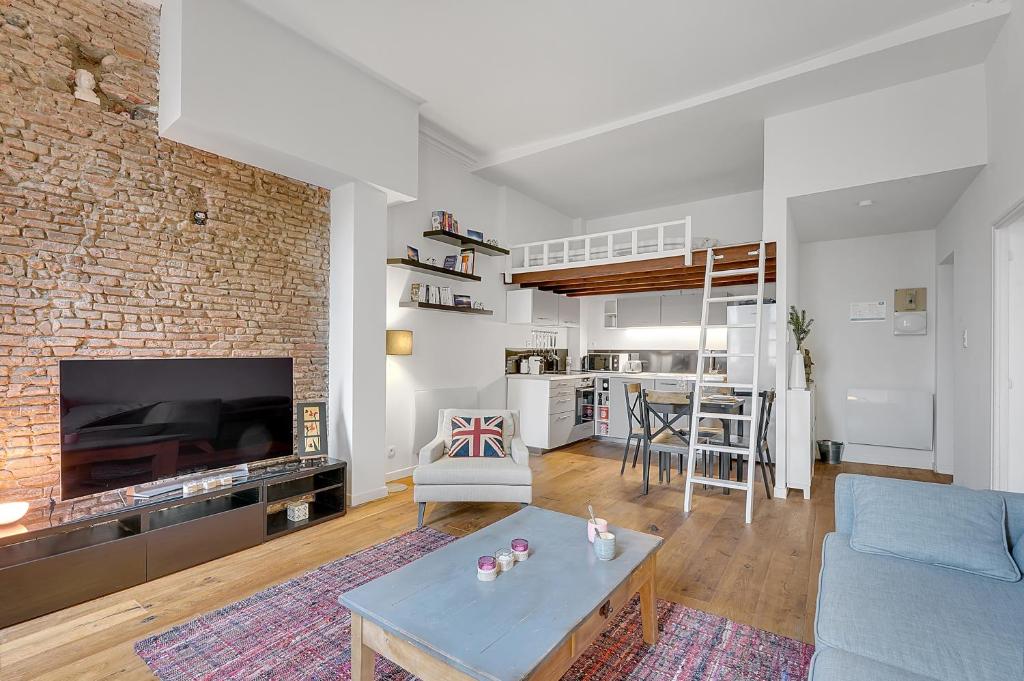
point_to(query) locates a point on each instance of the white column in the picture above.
(356, 357)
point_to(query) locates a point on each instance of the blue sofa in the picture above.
(891, 618)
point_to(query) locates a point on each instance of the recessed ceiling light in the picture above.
(864, 203)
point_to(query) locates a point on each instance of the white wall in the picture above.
(452, 350)
(926, 126)
(848, 354)
(235, 83)
(527, 220)
(966, 233)
(356, 337)
(732, 219)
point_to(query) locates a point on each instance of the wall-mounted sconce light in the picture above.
(399, 342)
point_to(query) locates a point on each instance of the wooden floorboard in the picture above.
(763, 574)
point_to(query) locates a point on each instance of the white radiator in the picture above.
(889, 418)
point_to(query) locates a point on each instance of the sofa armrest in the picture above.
(844, 502)
(432, 451)
(520, 453)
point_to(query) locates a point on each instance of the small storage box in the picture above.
(298, 510)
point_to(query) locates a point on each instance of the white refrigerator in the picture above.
(741, 369)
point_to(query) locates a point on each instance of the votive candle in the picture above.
(520, 549)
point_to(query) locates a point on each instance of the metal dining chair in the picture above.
(763, 451)
(666, 430)
(634, 421)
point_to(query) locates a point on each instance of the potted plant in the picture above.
(800, 376)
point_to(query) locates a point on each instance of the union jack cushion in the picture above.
(477, 436)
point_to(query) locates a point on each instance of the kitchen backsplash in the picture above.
(664, 361)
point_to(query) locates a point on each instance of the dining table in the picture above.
(677, 404)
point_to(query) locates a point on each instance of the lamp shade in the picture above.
(399, 342)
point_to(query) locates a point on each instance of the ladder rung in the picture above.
(731, 417)
(728, 354)
(731, 299)
(735, 272)
(717, 482)
(719, 384)
(724, 449)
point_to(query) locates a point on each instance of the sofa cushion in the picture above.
(831, 664)
(473, 471)
(941, 525)
(477, 437)
(509, 426)
(931, 621)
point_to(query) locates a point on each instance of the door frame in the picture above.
(1000, 345)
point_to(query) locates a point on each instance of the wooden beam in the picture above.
(682, 279)
(643, 275)
(731, 254)
(575, 293)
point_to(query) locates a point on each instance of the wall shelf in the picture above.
(444, 308)
(464, 241)
(416, 266)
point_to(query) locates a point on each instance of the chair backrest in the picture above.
(634, 405)
(509, 425)
(654, 421)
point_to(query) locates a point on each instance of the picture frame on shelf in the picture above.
(412, 253)
(463, 301)
(450, 261)
(475, 234)
(467, 261)
(414, 292)
(311, 430)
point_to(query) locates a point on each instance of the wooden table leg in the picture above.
(362, 656)
(649, 607)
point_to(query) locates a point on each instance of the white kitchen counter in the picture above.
(607, 374)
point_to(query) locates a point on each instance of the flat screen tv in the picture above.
(131, 421)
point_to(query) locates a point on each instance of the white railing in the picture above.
(660, 240)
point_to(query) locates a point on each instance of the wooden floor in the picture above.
(764, 574)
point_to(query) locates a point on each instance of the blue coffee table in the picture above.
(435, 619)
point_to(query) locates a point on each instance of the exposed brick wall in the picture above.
(98, 253)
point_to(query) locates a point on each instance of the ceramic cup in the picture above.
(604, 545)
(592, 529)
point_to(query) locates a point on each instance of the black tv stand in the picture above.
(56, 567)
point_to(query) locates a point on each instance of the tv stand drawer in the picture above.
(180, 546)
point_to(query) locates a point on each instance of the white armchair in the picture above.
(439, 477)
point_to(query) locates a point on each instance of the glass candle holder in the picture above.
(505, 559)
(520, 549)
(486, 568)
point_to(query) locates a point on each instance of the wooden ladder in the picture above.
(703, 355)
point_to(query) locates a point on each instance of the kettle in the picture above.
(536, 364)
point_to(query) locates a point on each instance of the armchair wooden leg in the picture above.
(423, 510)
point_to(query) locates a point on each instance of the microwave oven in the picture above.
(602, 361)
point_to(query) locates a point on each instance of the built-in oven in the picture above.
(602, 361)
(584, 401)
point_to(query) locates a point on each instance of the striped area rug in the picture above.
(296, 630)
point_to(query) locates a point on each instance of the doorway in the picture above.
(945, 362)
(1008, 365)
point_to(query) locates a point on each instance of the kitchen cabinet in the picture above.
(618, 421)
(531, 306)
(568, 311)
(638, 311)
(547, 411)
(684, 309)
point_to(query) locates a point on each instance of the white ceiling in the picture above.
(905, 205)
(599, 107)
